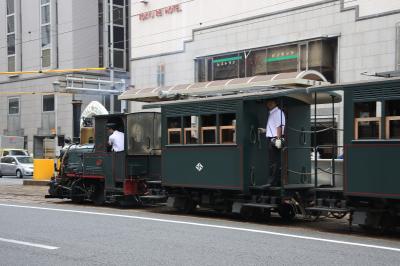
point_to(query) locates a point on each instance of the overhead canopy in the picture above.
(275, 82)
(301, 94)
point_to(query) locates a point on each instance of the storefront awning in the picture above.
(280, 81)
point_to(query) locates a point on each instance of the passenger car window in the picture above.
(6, 160)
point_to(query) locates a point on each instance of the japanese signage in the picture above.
(169, 10)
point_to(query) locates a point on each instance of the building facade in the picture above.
(46, 47)
(178, 42)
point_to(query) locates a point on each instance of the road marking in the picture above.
(27, 244)
(210, 226)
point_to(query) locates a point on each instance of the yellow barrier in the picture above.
(43, 169)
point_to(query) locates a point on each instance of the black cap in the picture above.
(111, 125)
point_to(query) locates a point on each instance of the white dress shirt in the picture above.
(276, 119)
(116, 140)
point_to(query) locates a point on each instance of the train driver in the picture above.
(116, 138)
(274, 131)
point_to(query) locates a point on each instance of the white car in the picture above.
(19, 166)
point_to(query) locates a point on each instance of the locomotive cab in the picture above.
(124, 176)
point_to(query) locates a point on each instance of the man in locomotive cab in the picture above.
(274, 131)
(116, 138)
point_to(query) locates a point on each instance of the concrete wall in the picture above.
(75, 44)
(366, 39)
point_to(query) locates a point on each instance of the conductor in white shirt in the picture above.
(116, 138)
(274, 131)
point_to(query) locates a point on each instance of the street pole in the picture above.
(112, 53)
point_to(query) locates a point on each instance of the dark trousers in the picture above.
(274, 164)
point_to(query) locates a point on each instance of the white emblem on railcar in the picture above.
(199, 167)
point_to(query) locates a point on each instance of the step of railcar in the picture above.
(260, 205)
(327, 209)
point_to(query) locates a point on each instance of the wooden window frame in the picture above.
(387, 124)
(185, 130)
(221, 128)
(208, 129)
(170, 130)
(367, 119)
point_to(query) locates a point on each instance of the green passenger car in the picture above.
(214, 156)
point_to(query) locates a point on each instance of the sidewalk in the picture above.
(12, 189)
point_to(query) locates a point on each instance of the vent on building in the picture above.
(46, 57)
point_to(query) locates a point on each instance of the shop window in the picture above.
(191, 130)
(282, 59)
(322, 57)
(393, 119)
(256, 64)
(200, 70)
(208, 129)
(228, 66)
(174, 130)
(303, 56)
(227, 128)
(367, 120)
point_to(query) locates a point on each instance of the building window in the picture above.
(13, 106)
(161, 75)
(318, 54)
(10, 18)
(45, 32)
(101, 35)
(120, 43)
(48, 103)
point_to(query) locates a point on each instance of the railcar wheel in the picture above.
(188, 206)
(255, 214)
(286, 212)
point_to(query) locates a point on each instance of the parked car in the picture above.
(16, 165)
(13, 152)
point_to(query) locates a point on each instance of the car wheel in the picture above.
(19, 174)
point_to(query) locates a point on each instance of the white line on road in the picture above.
(210, 226)
(27, 244)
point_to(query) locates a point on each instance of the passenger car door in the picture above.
(5, 166)
(13, 166)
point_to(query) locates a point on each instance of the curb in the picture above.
(36, 182)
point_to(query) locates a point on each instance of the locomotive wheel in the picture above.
(77, 192)
(286, 212)
(97, 195)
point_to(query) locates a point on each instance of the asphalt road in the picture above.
(64, 234)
